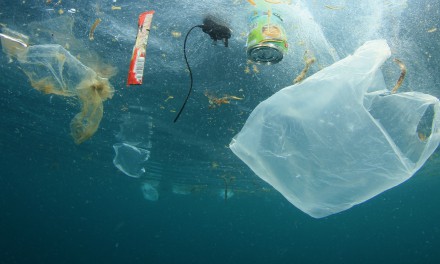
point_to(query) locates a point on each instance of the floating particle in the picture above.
(255, 68)
(216, 101)
(432, 30)
(176, 34)
(72, 11)
(334, 7)
(247, 70)
(302, 75)
(169, 97)
(61, 11)
(402, 75)
(92, 29)
(116, 7)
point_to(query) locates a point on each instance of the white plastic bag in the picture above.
(339, 138)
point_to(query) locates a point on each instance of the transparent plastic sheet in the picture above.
(52, 69)
(149, 190)
(339, 138)
(132, 151)
(130, 159)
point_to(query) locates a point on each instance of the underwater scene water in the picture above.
(96, 171)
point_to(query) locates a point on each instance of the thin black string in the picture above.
(190, 72)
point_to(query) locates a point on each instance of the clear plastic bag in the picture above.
(52, 69)
(340, 138)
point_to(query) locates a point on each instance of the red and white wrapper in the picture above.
(136, 71)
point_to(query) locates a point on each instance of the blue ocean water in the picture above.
(67, 203)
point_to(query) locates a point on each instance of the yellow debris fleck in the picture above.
(235, 97)
(61, 11)
(169, 97)
(334, 7)
(116, 7)
(432, 30)
(92, 29)
(255, 68)
(247, 70)
(176, 34)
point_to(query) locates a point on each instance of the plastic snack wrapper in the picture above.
(136, 71)
(340, 137)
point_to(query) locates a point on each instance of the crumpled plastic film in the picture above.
(53, 70)
(340, 137)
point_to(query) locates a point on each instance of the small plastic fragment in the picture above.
(92, 29)
(402, 75)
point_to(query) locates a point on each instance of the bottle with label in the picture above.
(267, 40)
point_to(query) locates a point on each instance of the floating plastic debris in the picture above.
(136, 71)
(130, 159)
(149, 191)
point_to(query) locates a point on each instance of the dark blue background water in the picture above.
(69, 213)
(62, 203)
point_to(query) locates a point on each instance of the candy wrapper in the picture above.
(136, 71)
